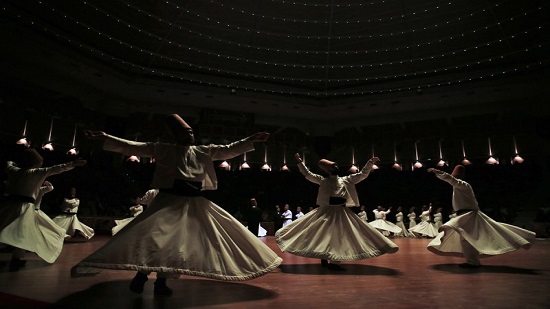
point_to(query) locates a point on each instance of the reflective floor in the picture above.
(411, 278)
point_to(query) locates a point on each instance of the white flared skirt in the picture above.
(185, 235)
(119, 224)
(287, 222)
(32, 230)
(404, 231)
(333, 233)
(486, 235)
(72, 225)
(384, 225)
(424, 228)
(261, 231)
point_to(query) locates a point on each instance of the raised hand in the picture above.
(79, 162)
(298, 158)
(374, 159)
(259, 137)
(95, 134)
(435, 171)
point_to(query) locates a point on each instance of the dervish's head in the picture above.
(328, 166)
(458, 172)
(72, 192)
(182, 132)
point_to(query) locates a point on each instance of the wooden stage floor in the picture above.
(411, 278)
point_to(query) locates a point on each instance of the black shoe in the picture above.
(336, 267)
(468, 265)
(136, 285)
(161, 289)
(17, 263)
(324, 263)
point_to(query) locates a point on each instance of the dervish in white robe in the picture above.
(472, 234)
(333, 231)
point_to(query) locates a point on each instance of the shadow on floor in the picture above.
(30, 265)
(187, 293)
(455, 269)
(351, 269)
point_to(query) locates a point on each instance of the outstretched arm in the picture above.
(91, 134)
(258, 137)
(120, 145)
(450, 179)
(58, 169)
(315, 178)
(224, 152)
(363, 173)
(435, 171)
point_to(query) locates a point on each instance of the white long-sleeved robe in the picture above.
(135, 210)
(399, 222)
(184, 234)
(333, 232)
(20, 224)
(425, 227)
(382, 225)
(485, 235)
(69, 220)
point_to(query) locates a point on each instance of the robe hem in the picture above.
(49, 258)
(332, 257)
(325, 256)
(76, 271)
(443, 229)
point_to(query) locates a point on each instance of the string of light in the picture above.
(336, 37)
(333, 5)
(295, 65)
(292, 79)
(321, 37)
(306, 21)
(236, 86)
(316, 52)
(289, 92)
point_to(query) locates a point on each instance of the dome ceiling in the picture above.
(319, 50)
(318, 66)
(407, 70)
